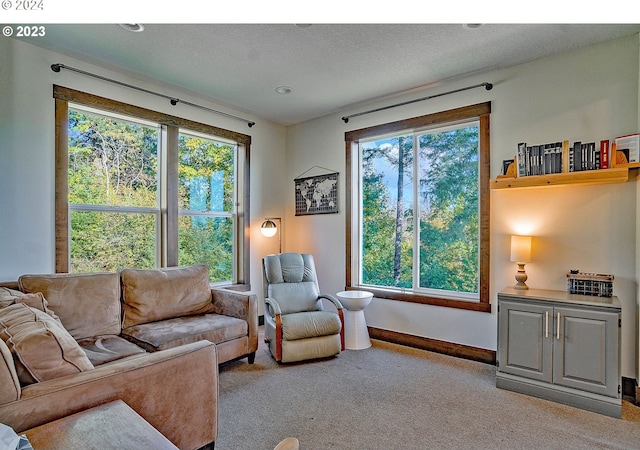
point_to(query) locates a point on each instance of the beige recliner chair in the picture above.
(296, 327)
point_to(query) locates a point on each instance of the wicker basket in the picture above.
(597, 284)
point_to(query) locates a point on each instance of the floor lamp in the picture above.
(269, 229)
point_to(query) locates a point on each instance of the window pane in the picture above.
(207, 240)
(108, 241)
(387, 214)
(112, 161)
(449, 240)
(206, 174)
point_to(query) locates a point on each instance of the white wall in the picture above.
(637, 239)
(27, 243)
(588, 95)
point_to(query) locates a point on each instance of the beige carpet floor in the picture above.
(395, 397)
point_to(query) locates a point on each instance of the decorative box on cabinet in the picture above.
(561, 347)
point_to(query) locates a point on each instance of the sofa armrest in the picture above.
(232, 303)
(242, 305)
(10, 284)
(175, 390)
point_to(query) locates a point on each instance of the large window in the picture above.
(136, 188)
(207, 203)
(114, 198)
(418, 209)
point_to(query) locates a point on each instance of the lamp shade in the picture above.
(268, 228)
(520, 249)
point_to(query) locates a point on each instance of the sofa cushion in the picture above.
(103, 349)
(88, 304)
(42, 349)
(183, 330)
(149, 295)
(10, 297)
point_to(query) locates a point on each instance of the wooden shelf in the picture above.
(583, 178)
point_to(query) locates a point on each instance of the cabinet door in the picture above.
(586, 350)
(524, 344)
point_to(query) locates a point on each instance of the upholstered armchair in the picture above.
(296, 326)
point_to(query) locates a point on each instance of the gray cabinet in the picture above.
(560, 346)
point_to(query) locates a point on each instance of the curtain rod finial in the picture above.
(488, 86)
(56, 67)
(346, 119)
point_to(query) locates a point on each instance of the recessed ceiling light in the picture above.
(284, 90)
(472, 26)
(133, 27)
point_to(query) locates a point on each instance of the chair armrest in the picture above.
(333, 299)
(175, 390)
(272, 306)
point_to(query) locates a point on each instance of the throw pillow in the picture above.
(9, 382)
(149, 295)
(41, 348)
(10, 297)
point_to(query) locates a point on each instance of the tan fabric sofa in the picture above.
(152, 338)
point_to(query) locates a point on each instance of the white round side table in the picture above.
(356, 335)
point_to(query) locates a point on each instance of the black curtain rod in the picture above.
(174, 101)
(488, 87)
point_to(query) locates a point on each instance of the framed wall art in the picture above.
(317, 194)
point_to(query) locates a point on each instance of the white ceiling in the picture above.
(328, 67)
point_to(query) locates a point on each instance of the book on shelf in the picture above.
(630, 143)
(564, 157)
(604, 153)
(540, 159)
(584, 156)
(521, 161)
(552, 159)
(576, 160)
